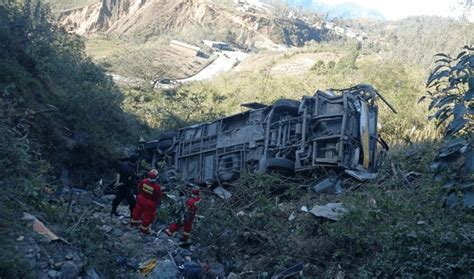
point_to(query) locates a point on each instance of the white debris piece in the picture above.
(292, 216)
(331, 211)
(222, 193)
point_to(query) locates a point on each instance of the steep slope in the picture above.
(190, 19)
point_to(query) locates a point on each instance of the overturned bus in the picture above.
(331, 129)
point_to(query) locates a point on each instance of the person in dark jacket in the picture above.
(125, 181)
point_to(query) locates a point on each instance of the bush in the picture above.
(398, 230)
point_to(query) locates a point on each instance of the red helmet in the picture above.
(195, 191)
(153, 174)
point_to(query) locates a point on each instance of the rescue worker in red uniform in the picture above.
(191, 205)
(148, 199)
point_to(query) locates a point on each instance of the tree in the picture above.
(143, 67)
(451, 90)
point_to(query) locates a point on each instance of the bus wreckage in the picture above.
(334, 129)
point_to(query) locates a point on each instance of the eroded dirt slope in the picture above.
(191, 19)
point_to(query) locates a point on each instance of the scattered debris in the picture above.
(222, 193)
(361, 176)
(69, 270)
(20, 238)
(147, 267)
(40, 228)
(292, 216)
(304, 208)
(329, 185)
(465, 194)
(331, 211)
(294, 270)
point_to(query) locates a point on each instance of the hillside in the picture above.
(191, 20)
(65, 125)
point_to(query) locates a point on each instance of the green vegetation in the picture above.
(57, 110)
(451, 89)
(401, 84)
(416, 40)
(395, 227)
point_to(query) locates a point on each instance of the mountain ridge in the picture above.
(192, 19)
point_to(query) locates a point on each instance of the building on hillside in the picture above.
(186, 49)
(217, 45)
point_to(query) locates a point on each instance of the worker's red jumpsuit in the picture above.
(148, 198)
(191, 208)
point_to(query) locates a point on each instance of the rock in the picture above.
(96, 215)
(108, 197)
(57, 265)
(216, 271)
(69, 270)
(178, 259)
(184, 252)
(233, 276)
(54, 274)
(91, 274)
(165, 270)
(69, 256)
(192, 270)
(117, 232)
(20, 238)
(106, 228)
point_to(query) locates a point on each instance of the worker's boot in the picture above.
(134, 223)
(185, 242)
(145, 230)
